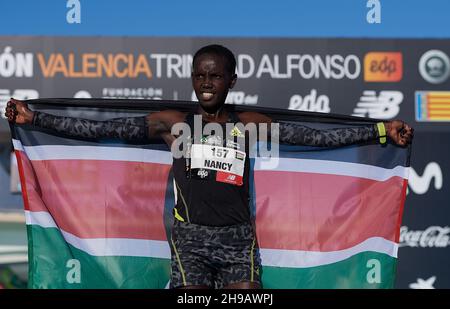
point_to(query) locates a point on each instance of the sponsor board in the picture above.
(431, 237)
(385, 105)
(17, 64)
(310, 102)
(421, 184)
(432, 105)
(383, 67)
(434, 66)
(305, 66)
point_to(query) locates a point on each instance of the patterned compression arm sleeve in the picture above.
(130, 129)
(297, 134)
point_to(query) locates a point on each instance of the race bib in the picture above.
(228, 163)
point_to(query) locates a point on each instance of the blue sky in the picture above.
(231, 18)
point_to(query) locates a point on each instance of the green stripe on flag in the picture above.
(364, 270)
(57, 264)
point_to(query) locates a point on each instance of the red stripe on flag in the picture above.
(101, 199)
(318, 212)
(400, 213)
(21, 166)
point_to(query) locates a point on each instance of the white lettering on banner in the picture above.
(433, 236)
(307, 66)
(178, 66)
(20, 94)
(239, 98)
(17, 64)
(244, 60)
(134, 93)
(421, 184)
(265, 66)
(217, 158)
(311, 102)
(383, 106)
(126, 93)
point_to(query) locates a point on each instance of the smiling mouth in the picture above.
(207, 95)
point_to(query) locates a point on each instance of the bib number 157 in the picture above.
(219, 152)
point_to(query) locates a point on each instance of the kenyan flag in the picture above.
(98, 213)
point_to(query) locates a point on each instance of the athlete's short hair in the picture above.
(219, 50)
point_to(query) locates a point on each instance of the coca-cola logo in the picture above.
(433, 236)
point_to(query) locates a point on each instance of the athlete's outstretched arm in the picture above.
(130, 128)
(398, 131)
(297, 134)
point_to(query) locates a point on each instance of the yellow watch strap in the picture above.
(381, 132)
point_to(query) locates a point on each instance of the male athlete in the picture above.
(213, 241)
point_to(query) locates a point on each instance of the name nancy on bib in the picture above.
(228, 162)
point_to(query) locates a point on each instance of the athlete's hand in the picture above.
(399, 131)
(18, 112)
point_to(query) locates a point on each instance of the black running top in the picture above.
(209, 189)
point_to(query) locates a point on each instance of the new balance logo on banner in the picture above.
(383, 106)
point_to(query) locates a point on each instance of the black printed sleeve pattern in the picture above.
(292, 133)
(130, 129)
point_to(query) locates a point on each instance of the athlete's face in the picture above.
(211, 81)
